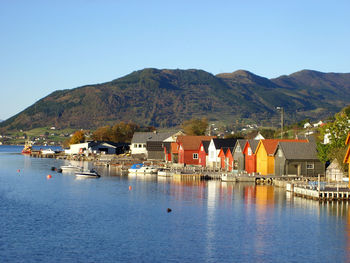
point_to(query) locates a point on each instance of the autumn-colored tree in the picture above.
(123, 132)
(195, 126)
(104, 133)
(120, 132)
(78, 137)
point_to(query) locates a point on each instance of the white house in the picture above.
(214, 148)
(87, 148)
(307, 125)
(318, 124)
(259, 137)
(334, 173)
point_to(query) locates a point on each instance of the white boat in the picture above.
(87, 174)
(142, 169)
(47, 151)
(135, 167)
(164, 173)
(71, 168)
(147, 170)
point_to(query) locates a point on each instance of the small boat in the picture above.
(164, 173)
(87, 174)
(71, 168)
(27, 149)
(47, 151)
(142, 169)
(135, 167)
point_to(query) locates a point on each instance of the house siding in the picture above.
(250, 160)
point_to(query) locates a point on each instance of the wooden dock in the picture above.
(328, 194)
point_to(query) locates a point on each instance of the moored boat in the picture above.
(47, 151)
(142, 169)
(164, 173)
(27, 149)
(87, 174)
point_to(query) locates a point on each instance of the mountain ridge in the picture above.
(167, 97)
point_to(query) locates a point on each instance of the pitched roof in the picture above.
(206, 146)
(229, 151)
(192, 142)
(143, 137)
(241, 143)
(298, 150)
(271, 144)
(253, 144)
(220, 143)
(223, 152)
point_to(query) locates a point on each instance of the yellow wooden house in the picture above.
(265, 160)
(347, 155)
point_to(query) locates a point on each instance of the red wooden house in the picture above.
(222, 156)
(250, 157)
(203, 153)
(229, 159)
(189, 148)
(226, 158)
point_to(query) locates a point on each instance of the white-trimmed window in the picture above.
(135, 145)
(249, 151)
(310, 166)
(280, 154)
(195, 156)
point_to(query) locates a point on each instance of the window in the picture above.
(195, 156)
(249, 151)
(310, 166)
(135, 145)
(202, 149)
(279, 153)
(144, 145)
(140, 145)
(238, 149)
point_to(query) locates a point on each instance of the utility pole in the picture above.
(282, 119)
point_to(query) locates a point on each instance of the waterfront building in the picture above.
(188, 147)
(298, 159)
(238, 156)
(249, 155)
(203, 153)
(214, 150)
(265, 161)
(334, 172)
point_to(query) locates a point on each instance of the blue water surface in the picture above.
(65, 219)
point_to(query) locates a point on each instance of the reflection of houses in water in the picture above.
(264, 194)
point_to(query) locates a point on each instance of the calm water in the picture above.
(99, 220)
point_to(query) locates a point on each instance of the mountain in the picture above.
(168, 97)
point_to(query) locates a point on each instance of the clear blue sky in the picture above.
(52, 45)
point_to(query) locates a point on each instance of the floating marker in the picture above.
(168, 210)
(130, 187)
(49, 176)
(18, 170)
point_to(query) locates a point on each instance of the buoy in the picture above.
(18, 170)
(168, 210)
(53, 168)
(130, 187)
(49, 176)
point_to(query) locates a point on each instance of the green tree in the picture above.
(337, 132)
(195, 126)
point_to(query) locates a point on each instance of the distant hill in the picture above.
(168, 97)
